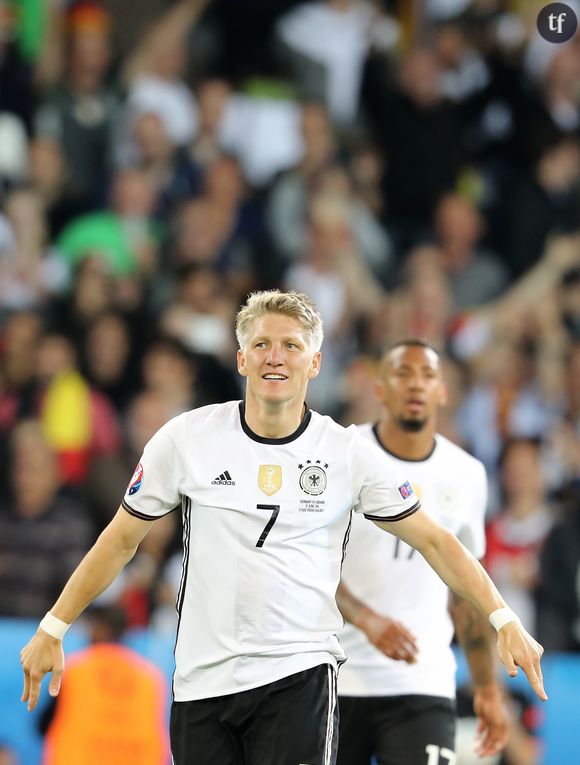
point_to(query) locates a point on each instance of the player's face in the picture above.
(411, 387)
(277, 360)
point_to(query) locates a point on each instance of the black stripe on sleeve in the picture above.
(399, 517)
(137, 514)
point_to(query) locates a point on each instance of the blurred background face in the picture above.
(93, 287)
(200, 290)
(170, 61)
(319, 144)
(419, 78)
(559, 166)
(522, 470)
(133, 194)
(26, 215)
(212, 98)
(56, 355)
(224, 182)
(90, 54)
(151, 138)
(46, 165)
(20, 342)
(203, 228)
(329, 229)
(34, 468)
(108, 347)
(165, 368)
(457, 223)
(410, 386)
(145, 416)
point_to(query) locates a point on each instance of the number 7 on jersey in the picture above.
(268, 527)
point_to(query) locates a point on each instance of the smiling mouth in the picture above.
(274, 377)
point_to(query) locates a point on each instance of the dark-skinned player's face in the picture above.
(411, 387)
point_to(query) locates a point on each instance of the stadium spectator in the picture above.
(334, 271)
(201, 313)
(154, 73)
(171, 170)
(44, 530)
(49, 175)
(78, 421)
(288, 198)
(212, 98)
(169, 371)
(516, 535)
(109, 360)
(335, 35)
(122, 719)
(557, 598)
(543, 203)
(81, 112)
(420, 134)
(32, 273)
(126, 237)
(475, 276)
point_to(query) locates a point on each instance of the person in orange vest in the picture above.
(111, 708)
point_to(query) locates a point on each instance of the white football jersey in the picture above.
(265, 523)
(396, 581)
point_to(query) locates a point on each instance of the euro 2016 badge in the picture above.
(136, 481)
(405, 490)
(269, 479)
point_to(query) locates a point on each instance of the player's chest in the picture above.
(309, 483)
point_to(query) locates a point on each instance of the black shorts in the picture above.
(293, 721)
(396, 730)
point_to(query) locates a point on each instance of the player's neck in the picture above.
(404, 445)
(277, 420)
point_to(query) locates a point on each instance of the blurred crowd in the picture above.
(413, 166)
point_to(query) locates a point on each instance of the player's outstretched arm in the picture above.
(474, 635)
(465, 576)
(113, 549)
(388, 635)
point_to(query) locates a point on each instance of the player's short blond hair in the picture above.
(296, 305)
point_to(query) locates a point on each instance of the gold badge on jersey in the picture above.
(269, 479)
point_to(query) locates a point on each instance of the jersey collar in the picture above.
(286, 440)
(396, 456)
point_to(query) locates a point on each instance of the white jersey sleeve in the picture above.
(472, 532)
(384, 493)
(154, 489)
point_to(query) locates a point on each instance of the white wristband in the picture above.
(502, 616)
(54, 627)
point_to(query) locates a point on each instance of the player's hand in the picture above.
(388, 635)
(516, 648)
(40, 655)
(492, 721)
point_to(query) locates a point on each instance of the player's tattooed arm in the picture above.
(474, 635)
(388, 635)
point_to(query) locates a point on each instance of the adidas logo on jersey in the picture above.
(224, 479)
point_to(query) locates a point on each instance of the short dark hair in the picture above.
(534, 442)
(111, 616)
(409, 342)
